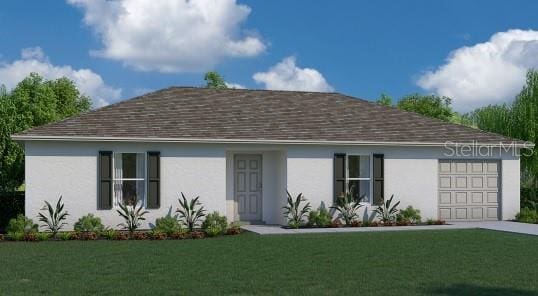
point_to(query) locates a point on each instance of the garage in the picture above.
(469, 190)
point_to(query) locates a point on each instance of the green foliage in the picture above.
(215, 224)
(64, 235)
(384, 100)
(428, 105)
(56, 215)
(132, 216)
(33, 102)
(214, 80)
(527, 215)
(409, 214)
(16, 236)
(21, 224)
(167, 224)
(518, 120)
(529, 198)
(294, 211)
(320, 217)
(89, 223)
(42, 236)
(190, 212)
(348, 207)
(387, 211)
(110, 234)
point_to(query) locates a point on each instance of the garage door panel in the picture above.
(469, 190)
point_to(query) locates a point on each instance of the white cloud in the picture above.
(234, 85)
(487, 73)
(172, 35)
(287, 76)
(34, 60)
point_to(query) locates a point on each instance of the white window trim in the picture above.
(369, 179)
(145, 179)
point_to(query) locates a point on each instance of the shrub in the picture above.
(386, 212)
(110, 234)
(409, 214)
(179, 235)
(89, 223)
(430, 221)
(42, 236)
(132, 216)
(294, 211)
(12, 206)
(65, 236)
(215, 224)
(54, 221)
(356, 223)
(435, 222)
(16, 236)
(89, 235)
(21, 224)
(190, 212)
(373, 224)
(74, 236)
(336, 223)
(121, 236)
(348, 207)
(320, 217)
(158, 234)
(233, 229)
(527, 215)
(167, 224)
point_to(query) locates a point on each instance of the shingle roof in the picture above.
(201, 113)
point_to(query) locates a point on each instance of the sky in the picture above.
(476, 52)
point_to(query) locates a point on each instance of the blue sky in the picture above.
(360, 48)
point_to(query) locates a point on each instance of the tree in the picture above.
(427, 105)
(33, 102)
(214, 80)
(384, 100)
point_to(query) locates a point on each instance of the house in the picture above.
(240, 150)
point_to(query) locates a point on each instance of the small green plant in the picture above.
(387, 211)
(214, 224)
(16, 236)
(56, 215)
(64, 235)
(294, 211)
(410, 215)
(168, 224)
(319, 217)
(21, 224)
(157, 234)
(42, 236)
(89, 223)
(527, 215)
(190, 212)
(348, 207)
(132, 216)
(110, 234)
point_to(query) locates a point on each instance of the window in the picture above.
(352, 174)
(129, 178)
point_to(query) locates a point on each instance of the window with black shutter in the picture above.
(104, 200)
(154, 174)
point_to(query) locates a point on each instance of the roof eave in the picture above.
(515, 144)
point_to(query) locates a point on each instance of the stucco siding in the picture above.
(206, 170)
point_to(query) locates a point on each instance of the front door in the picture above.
(248, 186)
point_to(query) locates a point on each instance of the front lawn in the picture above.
(447, 262)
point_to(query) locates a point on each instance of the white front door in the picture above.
(248, 186)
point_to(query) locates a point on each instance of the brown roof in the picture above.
(258, 115)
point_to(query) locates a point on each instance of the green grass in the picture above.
(448, 262)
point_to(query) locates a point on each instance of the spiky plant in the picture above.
(132, 214)
(190, 212)
(294, 211)
(386, 212)
(348, 207)
(56, 215)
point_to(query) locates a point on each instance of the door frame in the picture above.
(236, 202)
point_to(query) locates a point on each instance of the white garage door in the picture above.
(469, 190)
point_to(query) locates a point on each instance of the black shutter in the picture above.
(339, 175)
(379, 181)
(154, 174)
(104, 169)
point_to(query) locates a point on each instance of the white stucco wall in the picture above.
(70, 169)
